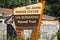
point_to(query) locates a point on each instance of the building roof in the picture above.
(6, 11)
(10, 11)
(46, 17)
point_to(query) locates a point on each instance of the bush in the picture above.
(58, 34)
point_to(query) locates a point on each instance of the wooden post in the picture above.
(35, 32)
(20, 34)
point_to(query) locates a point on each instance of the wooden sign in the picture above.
(26, 20)
(27, 16)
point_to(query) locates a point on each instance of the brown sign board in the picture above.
(26, 20)
(27, 16)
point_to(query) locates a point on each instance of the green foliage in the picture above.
(2, 3)
(58, 34)
(52, 8)
(3, 15)
(15, 3)
(46, 37)
(28, 38)
(10, 38)
(16, 38)
(52, 37)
